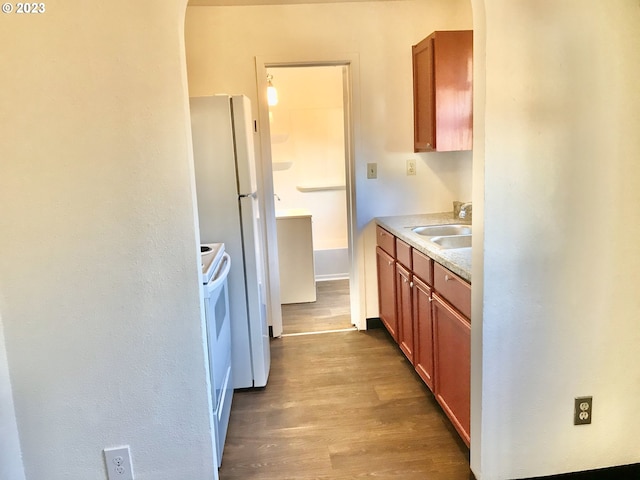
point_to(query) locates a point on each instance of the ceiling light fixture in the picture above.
(272, 93)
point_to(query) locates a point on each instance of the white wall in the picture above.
(10, 456)
(222, 43)
(99, 272)
(561, 265)
(307, 131)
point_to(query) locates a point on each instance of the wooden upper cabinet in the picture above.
(443, 92)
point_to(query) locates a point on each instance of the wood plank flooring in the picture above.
(341, 406)
(330, 311)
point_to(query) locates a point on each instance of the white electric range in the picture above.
(216, 264)
(211, 254)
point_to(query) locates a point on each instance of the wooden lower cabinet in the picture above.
(452, 364)
(426, 309)
(423, 331)
(387, 291)
(404, 311)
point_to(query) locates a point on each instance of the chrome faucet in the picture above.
(465, 208)
(462, 210)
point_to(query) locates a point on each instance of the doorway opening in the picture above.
(309, 138)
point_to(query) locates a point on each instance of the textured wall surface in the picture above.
(10, 458)
(99, 271)
(558, 173)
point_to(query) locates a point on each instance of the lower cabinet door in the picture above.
(387, 291)
(405, 314)
(452, 349)
(423, 329)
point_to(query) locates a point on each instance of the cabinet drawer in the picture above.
(386, 241)
(453, 288)
(422, 267)
(403, 253)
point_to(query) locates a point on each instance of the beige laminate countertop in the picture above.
(458, 260)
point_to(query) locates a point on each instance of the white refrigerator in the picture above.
(228, 212)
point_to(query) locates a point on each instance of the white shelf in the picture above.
(278, 166)
(319, 188)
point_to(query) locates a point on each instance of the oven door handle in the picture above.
(221, 275)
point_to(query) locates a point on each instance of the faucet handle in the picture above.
(460, 209)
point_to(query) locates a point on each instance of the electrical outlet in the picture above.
(372, 170)
(582, 410)
(118, 461)
(411, 167)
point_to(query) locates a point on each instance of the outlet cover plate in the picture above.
(411, 167)
(582, 410)
(118, 461)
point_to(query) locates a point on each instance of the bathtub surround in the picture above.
(331, 263)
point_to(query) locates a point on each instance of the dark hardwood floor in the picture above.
(341, 406)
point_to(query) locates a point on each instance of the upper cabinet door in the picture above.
(424, 138)
(443, 92)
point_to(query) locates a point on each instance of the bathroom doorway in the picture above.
(310, 164)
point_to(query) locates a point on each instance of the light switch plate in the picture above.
(372, 170)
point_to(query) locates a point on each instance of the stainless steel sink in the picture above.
(452, 241)
(443, 230)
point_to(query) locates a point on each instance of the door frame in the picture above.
(350, 89)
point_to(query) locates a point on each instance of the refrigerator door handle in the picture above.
(246, 195)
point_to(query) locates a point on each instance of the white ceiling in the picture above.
(220, 3)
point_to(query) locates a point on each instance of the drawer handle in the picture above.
(447, 278)
(411, 284)
(390, 263)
